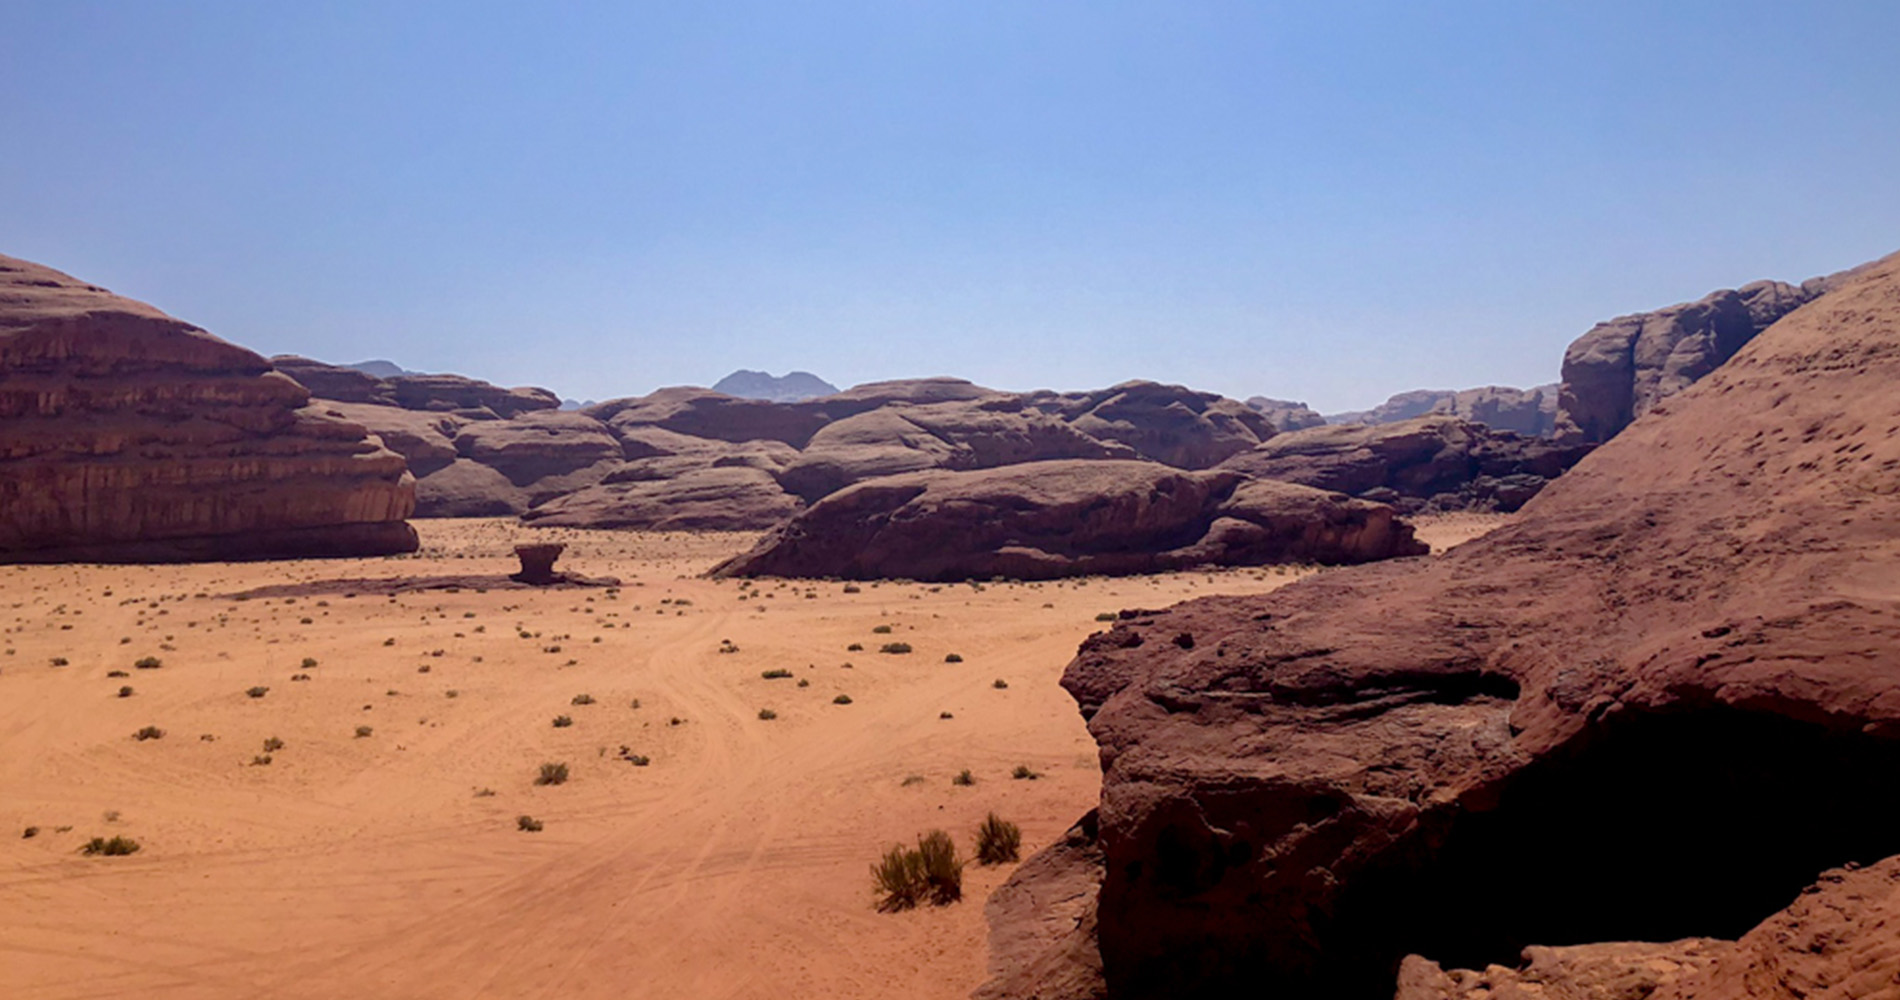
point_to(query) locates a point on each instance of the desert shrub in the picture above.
(551, 774)
(964, 777)
(882, 630)
(117, 673)
(767, 715)
(943, 870)
(527, 824)
(309, 662)
(852, 588)
(562, 721)
(843, 699)
(999, 684)
(257, 692)
(1023, 772)
(261, 760)
(363, 731)
(913, 779)
(113, 847)
(802, 682)
(856, 647)
(582, 699)
(273, 744)
(125, 691)
(898, 878)
(1106, 616)
(953, 658)
(945, 715)
(776, 674)
(998, 841)
(638, 760)
(894, 647)
(59, 661)
(149, 733)
(147, 663)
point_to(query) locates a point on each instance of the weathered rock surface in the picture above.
(1286, 415)
(972, 434)
(1039, 520)
(1431, 462)
(1833, 942)
(128, 435)
(477, 450)
(1170, 424)
(1653, 708)
(1531, 412)
(1621, 368)
(436, 393)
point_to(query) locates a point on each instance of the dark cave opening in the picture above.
(1654, 828)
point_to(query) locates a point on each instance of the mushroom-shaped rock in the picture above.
(537, 562)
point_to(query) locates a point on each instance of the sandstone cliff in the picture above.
(127, 435)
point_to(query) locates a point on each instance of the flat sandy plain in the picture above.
(390, 865)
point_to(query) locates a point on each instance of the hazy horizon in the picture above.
(1329, 204)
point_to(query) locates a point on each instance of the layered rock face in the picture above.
(1531, 412)
(702, 459)
(1286, 415)
(1654, 708)
(477, 450)
(130, 436)
(1040, 520)
(1426, 463)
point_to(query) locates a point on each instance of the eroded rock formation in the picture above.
(1039, 520)
(1432, 462)
(128, 435)
(1531, 412)
(1654, 708)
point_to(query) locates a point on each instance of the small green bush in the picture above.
(1023, 772)
(363, 731)
(149, 733)
(147, 663)
(856, 647)
(257, 692)
(999, 684)
(964, 777)
(894, 647)
(998, 841)
(125, 691)
(843, 699)
(767, 715)
(273, 744)
(551, 774)
(882, 630)
(309, 662)
(777, 673)
(953, 658)
(1107, 616)
(943, 871)
(562, 722)
(582, 699)
(527, 824)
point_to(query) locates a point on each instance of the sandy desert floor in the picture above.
(376, 854)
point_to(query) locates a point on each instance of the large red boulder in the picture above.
(1038, 520)
(1656, 707)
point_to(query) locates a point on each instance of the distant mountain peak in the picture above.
(788, 388)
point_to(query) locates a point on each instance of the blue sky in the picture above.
(1322, 201)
